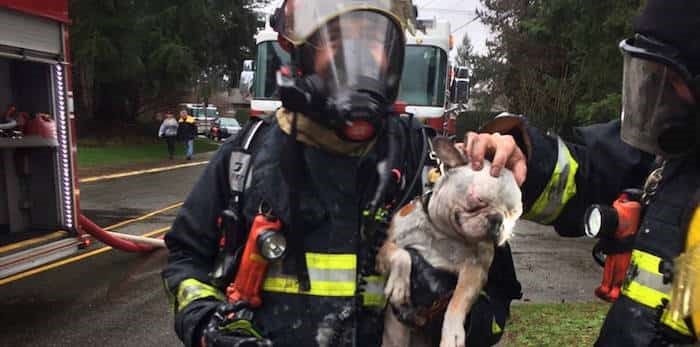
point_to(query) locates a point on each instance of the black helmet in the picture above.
(347, 59)
(661, 81)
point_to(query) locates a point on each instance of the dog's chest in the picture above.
(441, 250)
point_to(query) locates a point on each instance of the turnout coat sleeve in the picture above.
(564, 178)
(193, 244)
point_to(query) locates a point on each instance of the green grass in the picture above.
(92, 155)
(554, 324)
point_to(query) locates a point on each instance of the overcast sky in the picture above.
(460, 14)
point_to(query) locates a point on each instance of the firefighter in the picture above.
(324, 165)
(654, 147)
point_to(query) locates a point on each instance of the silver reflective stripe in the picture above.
(375, 285)
(251, 135)
(652, 280)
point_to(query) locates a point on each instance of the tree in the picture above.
(464, 52)
(557, 61)
(134, 56)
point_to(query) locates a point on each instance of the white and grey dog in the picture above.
(469, 213)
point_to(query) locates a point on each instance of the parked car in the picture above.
(223, 128)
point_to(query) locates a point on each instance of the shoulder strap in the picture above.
(240, 159)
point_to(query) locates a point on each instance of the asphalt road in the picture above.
(117, 299)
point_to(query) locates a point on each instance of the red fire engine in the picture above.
(40, 220)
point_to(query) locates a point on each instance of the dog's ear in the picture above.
(446, 151)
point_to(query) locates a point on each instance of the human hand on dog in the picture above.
(500, 149)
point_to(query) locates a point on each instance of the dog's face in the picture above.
(473, 204)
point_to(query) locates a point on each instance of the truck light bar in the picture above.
(63, 147)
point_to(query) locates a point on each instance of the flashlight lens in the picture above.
(272, 245)
(593, 223)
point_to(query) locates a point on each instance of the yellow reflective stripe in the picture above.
(677, 325)
(241, 324)
(559, 190)
(643, 294)
(329, 275)
(191, 289)
(645, 291)
(331, 261)
(645, 261)
(495, 328)
(319, 288)
(373, 294)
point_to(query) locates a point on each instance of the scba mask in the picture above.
(347, 61)
(659, 98)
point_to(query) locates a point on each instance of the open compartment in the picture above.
(33, 178)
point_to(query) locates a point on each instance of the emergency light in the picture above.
(272, 245)
(600, 221)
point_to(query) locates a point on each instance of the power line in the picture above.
(446, 10)
(427, 3)
(465, 24)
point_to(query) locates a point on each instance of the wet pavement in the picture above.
(117, 298)
(110, 299)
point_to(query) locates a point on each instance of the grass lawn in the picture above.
(554, 324)
(114, 154)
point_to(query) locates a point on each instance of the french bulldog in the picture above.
(469, 213)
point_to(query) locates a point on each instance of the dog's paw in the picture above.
(398, 286)
(453, 335)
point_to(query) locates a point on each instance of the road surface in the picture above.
(116, 299)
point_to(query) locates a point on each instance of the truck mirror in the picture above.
(459, 90)
(245, 83)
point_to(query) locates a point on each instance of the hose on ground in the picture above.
(111, 240)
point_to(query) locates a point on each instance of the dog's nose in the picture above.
(495, 223)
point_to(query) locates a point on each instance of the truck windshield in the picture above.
(424, 76)
(269, 58)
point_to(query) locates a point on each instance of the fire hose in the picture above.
(120, 241)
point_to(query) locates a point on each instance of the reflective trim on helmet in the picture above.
(191, 289)
(302, 18)
(645, 286)
(558, 191)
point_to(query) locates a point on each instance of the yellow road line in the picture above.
(140, 172)
(61, 233)
(28, 242)
(148, 215)
(69, 260)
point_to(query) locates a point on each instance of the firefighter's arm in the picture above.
(564, 178)
(193, 242)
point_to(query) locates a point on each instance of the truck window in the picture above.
(424, 76)
(269, 58)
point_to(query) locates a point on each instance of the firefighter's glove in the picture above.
(231, 326)
(431, 290)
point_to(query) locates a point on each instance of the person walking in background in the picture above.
(168, 131)
(186, 131)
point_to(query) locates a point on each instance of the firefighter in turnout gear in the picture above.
(324, 174)
(654, 147)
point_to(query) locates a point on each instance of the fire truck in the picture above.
(424, 84)
(40, 219)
